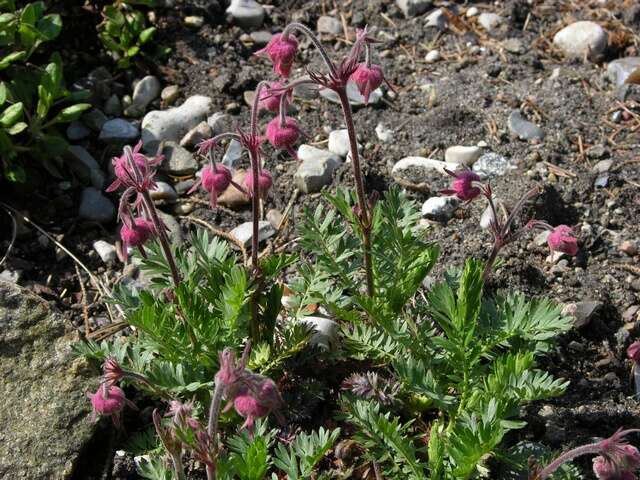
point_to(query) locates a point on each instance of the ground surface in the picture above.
(463, 99)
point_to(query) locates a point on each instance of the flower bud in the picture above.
(283, 135)
(281, 51)
(562, 239)
(367, 79)
(264, 182)
(270, 100)
(633, 352)
(215, 180)
(464, 186)
(136, 234)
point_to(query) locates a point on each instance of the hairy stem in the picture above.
(178, 468)
(316, 43)
(162, 236)
(357, 174)
(547, 471)
(212, 428)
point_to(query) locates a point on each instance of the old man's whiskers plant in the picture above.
(451, 366)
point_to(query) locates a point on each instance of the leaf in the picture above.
(71, 113)
(146, 35)
(11, 115)
(49, 26)
(304, 453)
(17, 128)
(3, 92)
(12, 57)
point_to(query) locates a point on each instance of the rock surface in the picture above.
(580, 39)
(244, 232)
(178, 161)
(439, 208)
(492, 165)
(462, 155)
(44, 412)
(411, 8)
(490, 21)
(316, 169)
(145, 92)
(246, 13)
(330, 25)
(420, 169)
(118, 131)
(524, 129)
(173, 124)
(88, 165)
(94, 206)
(619, 70)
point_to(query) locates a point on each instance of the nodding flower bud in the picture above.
(367, 79)
(136, 234)
(108, 401)
(562, 239)
(270, 100)
(633, 352)
(135, 170)
(215, 180)
(464, 186)
(620, 466)
(264, 183)
(283, 134)
(281, 50)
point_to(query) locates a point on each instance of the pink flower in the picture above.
(618, 467)
(562, 239)
(264, 183)
(108, 401)
(283, 134)
(112, 372)
(281, 51)
(270, 99)
(134, 170)
(633, 352)
(464, 186)
(136, 234)
(250, 409)
(215, 179)
(367, 79)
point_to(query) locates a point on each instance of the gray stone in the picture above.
(261, 38)
(339, 142)
(602, 181)
(173, 124)
(433, 56)
(619, 70)
(94, 119)
(246, 13)
(233, 154)
(193, 21)
(582, 312)
(580, 39)
(11, 276)
(90, 166)
(472, 12)
(306, 90)
(145, 92)
(492, 165)
(163, 191)
(178, 161)
(175, 232)
(274, 217)
(200, 132)
(411, 8)
(524, 129)
(170, 94)
(220, 122)
(77, 131)
(44, 410)
(603, 166)
(384, 134)
(113, 106)
(355, 98)
(244, 232)
(105, 251)
(513, 45)
(490, 21)
(437, 19)
(316, 169)
(118, 131)
(325, 331)
(95, 206)
(330, 25)
(462, 155)
(420, 169)
(439, 208)
(184, 186)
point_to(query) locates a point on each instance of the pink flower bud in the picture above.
(464, 186)
(606, 470)
(562, 239)
(633, 352)
(107, 400)
(133, 169)
(270, 100)
(249, 408)
(281, 51)
(264, 182)
(215, 180)
(367, 79)
(283, 135)
(136, 234)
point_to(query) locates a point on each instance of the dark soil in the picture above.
(461, 100)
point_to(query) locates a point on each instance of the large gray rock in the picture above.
(173, 124)
(619, 70)
(178, 161)
(94, 206)
(118, 131)
(580, 39)
(145, 92)
(246, 13)
(44, 411)
(316, 169)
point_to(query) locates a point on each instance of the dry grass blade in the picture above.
(14, 235)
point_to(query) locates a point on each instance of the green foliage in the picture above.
(304, 453)
(124, 30)
(33, 98)
(467, 359)
(154, 468)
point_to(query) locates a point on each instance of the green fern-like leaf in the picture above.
(303, 454)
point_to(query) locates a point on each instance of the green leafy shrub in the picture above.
(124, 31)
(33, 98)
